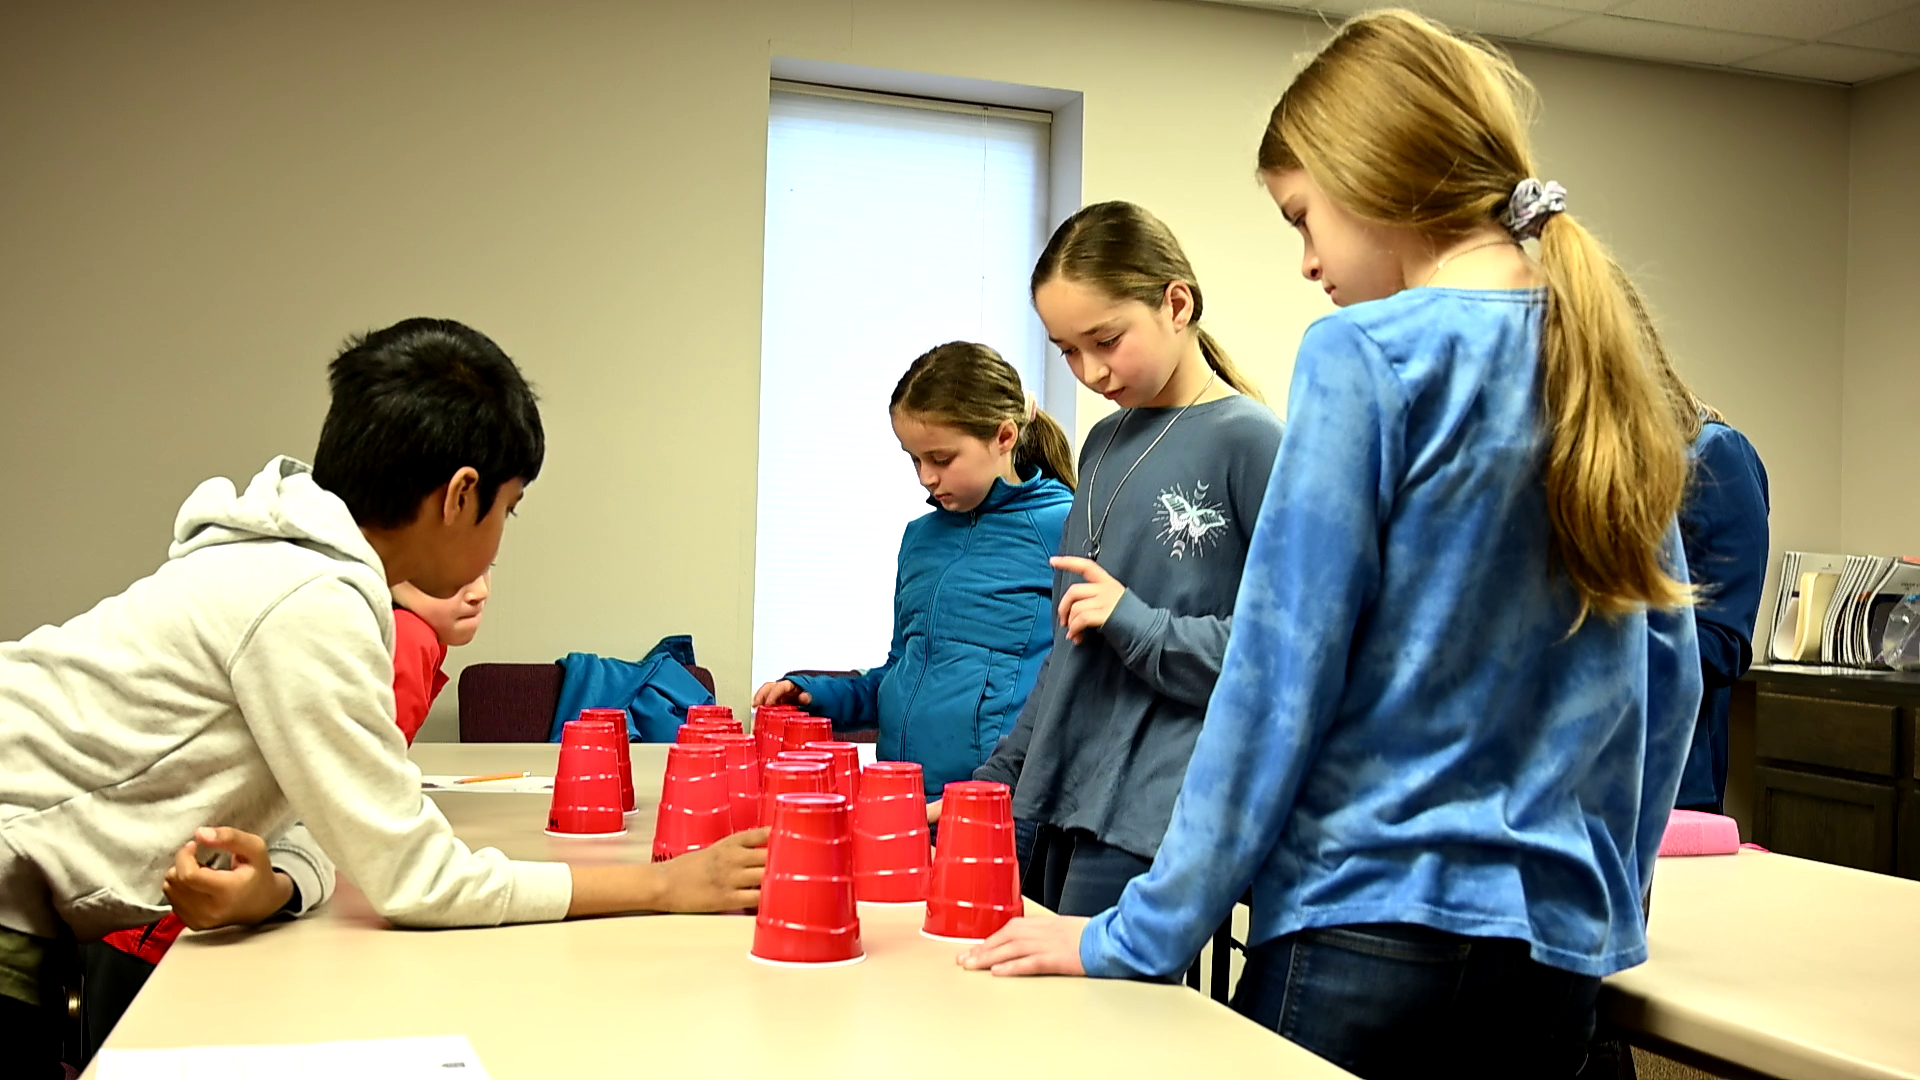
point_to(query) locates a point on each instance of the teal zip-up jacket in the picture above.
(972, 626)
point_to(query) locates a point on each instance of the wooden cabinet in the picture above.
(1845, 736)
(1907, 832)
(1836, 767)
(1825, 818)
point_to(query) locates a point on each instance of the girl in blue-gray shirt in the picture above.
(1463, 674)
(1150, 560)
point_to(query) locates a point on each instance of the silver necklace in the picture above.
(1442, 264)
(1094, 531)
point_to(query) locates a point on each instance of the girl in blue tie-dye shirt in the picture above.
(1463, 673)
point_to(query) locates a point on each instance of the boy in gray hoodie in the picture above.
(247, 683)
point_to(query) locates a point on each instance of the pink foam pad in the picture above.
(1690, 832)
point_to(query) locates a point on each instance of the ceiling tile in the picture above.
(1658, 41)
(1899, 31)
(1833, 63)
(1341, 8)
(1338, 9)
(1591, 7)
(1494, 18)
(1805, 20)
(1331, 11)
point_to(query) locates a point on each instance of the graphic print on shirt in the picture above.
(1190, 522)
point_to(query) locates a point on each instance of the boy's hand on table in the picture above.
(205, 898)
(724, 877)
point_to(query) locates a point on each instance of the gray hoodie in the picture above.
(248, 682)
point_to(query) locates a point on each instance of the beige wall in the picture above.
(1880, 443)
(200, 200)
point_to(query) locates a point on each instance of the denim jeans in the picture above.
(1023, 836)
(1393, 1001)
(1074, 874)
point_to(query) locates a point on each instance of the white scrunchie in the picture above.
(1532, 204)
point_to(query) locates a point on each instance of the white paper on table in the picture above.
(440, 1057)
(521, 786)
(869, 753)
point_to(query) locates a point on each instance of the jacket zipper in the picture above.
(933, 608)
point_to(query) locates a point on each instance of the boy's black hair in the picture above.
(414, 403)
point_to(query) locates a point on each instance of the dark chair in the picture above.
(1222, 974)
(1224, 945)
(508, 702)
(516, 702)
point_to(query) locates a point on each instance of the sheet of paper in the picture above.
(869, 753)
(520, 786)
(438, 1057)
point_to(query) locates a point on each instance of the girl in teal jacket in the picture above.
(972, 603)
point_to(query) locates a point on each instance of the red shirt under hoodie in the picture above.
(417, 678)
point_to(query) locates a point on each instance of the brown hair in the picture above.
(969, 387)
(1404, 124)
(1129, 254)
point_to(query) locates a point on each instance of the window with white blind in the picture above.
(893, 225)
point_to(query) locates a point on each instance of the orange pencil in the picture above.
(496, 776)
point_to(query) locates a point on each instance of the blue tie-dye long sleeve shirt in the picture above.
(1403, 729)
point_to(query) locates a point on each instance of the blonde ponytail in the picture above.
(1617, 458)
(1406, 125)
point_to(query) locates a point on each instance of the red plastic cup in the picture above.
(807, 913)
(695, 809)
(821, 756)
(743, 778)
(769, 725)
(699, 712)
(617, 718)
(975, 886)
(714, 723)
(693, 734)
(846, 766)
(586, 785)
(801, 730)
(779, 778)
(770, 728)
(890, 835)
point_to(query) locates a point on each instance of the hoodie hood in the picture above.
(281, 503)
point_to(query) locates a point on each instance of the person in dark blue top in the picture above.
(972, 599)
(1724, 527)
(1449, 728)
